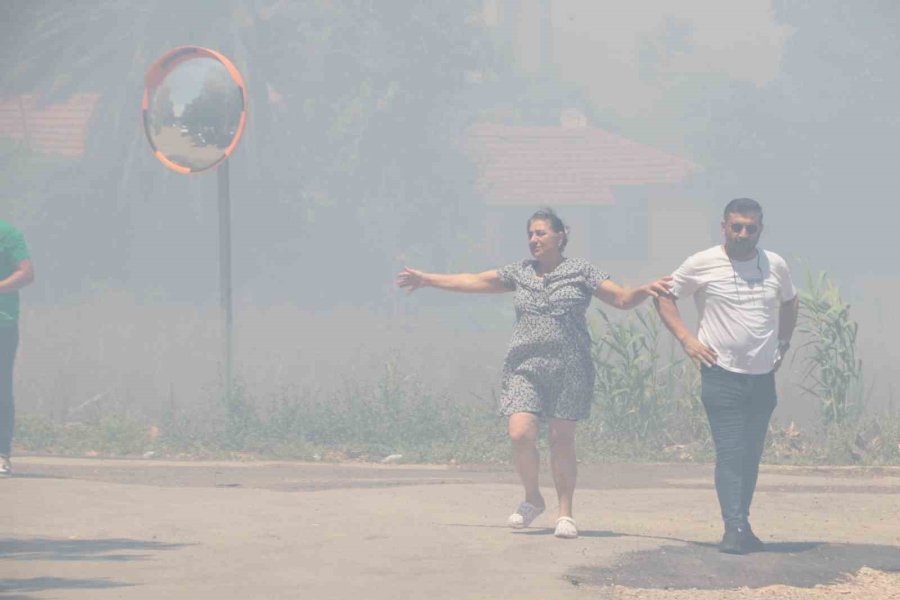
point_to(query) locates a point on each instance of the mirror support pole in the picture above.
(225, 274)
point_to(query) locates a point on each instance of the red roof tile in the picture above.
(573, 166)
(56, 128)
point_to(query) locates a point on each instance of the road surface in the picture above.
(143, 529)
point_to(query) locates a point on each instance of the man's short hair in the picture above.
(743, 206)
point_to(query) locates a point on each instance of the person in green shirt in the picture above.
(16, 271)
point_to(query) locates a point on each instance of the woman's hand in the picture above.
(627, 298)
(411, 279)
(660, 287)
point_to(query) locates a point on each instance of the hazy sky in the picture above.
(803, 120)
(621, 52)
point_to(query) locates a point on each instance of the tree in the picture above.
(349, 146)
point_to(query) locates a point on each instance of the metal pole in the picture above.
(25, 132)
(225, 273)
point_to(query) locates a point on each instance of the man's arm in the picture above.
(22, 276)
(787, 320)
(671, 318)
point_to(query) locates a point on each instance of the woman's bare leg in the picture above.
(523, 432)
(563, 462)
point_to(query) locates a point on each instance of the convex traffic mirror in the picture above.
(195, 108)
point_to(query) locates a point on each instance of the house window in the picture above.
(610, 232)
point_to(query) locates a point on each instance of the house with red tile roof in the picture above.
(626, 203)
(55, 128)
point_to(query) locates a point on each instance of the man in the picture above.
(16, 271)
(747, 309)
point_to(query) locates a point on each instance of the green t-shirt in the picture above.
(12, 251)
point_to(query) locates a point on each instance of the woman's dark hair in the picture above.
(556, 224)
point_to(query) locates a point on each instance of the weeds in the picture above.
(646, 407)
(111, 435)
(394, 416)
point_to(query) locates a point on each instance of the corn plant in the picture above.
(627, 387)
(833, 373)
(646, 398)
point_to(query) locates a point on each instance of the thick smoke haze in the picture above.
(358, 159)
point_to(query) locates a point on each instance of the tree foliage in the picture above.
(353, 111)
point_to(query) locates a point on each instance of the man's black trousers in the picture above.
(739, 407)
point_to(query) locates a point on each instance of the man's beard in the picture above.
(741, 247)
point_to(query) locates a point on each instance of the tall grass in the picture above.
(627, 361)
(114, 376)
(646, 395)
(833, 373)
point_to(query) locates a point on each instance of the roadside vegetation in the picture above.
(647, 408)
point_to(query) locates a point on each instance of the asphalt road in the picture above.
(143, 529)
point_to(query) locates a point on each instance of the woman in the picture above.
(548, 373)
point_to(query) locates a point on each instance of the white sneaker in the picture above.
(524, 515)
(5, 466)
(565, 528)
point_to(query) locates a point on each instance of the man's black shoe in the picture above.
(733, 542)
(751, 542)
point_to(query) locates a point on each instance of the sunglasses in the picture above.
(751, 229)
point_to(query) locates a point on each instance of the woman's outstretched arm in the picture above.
(621, 297)
(486, 282)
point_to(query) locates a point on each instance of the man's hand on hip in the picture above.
(699, 352)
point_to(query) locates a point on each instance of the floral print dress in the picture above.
(548, 369)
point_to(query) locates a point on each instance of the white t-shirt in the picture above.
(738, 303)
